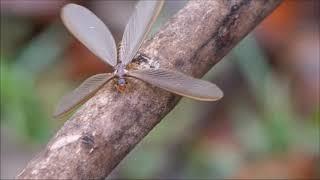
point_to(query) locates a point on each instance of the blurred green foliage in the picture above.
(20, 106)
(21, 66)
(282, 125)
(14, 31)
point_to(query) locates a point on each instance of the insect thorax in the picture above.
(121, 81)
(120, 73)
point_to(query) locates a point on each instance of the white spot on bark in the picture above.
(64, 141)
(34, 171)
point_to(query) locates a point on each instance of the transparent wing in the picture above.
(81, 94)
(91, 31)
(179, 83)
(137, 28)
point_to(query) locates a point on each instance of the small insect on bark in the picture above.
(95, 35)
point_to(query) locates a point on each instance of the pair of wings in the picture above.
(169, 80)
(95, 35)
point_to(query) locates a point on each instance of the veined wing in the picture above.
(91, 31)
(179, 83)
(137, 28)
(81, 94)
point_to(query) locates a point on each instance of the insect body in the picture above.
(92, 32)
(120, 73)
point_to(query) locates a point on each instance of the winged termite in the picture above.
(91, 31)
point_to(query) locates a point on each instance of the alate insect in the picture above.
(95, 35)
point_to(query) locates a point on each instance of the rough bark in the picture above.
(106, 128)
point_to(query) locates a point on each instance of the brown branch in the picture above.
(99, 135)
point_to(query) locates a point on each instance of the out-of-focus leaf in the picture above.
(43, 50)
(148, 158)
(13, 32)
(272, 95)
(254, 66)
(20, 108)
(218, 162)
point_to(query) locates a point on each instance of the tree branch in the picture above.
(101, 133)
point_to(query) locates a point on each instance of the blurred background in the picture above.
(266, 126)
